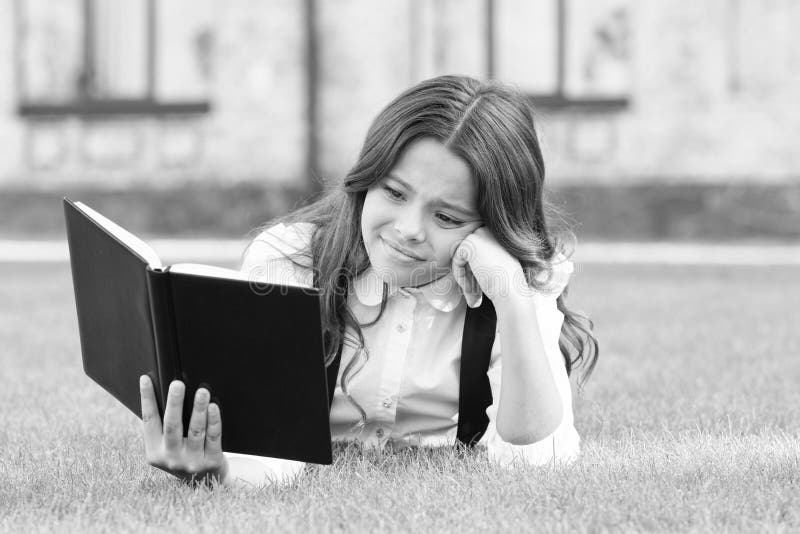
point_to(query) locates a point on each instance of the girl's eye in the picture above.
(392, 193)
(447, 220)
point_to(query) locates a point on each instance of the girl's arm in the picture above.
(563, 445)
(529, 408)
(246, 470)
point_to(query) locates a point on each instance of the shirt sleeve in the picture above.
(278, 256)
(259, 470)
(267, 260)
(563, 444)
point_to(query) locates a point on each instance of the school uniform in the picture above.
(409, 382)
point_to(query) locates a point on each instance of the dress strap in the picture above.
(475, 391)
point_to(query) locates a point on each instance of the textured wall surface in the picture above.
(713, 98)
(710, 86)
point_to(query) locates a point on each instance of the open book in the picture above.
(258, 348)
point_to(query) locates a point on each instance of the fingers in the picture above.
(459, 263)
(196, 437)
(151, 421)
(201, 451)
(214, 433)
(173, 413)
(473, 292)
(460, 274)
(463, 274)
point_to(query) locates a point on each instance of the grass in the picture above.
(691, 422)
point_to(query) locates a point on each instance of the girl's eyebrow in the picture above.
(439, 201)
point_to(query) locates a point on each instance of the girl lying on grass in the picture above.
(434, 249)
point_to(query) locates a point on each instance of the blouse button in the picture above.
(387, 403)
(401, 327)
(379, 433)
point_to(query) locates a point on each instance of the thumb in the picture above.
(472, 293)
(465, 278)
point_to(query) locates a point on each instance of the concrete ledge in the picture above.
(695, 212)
(684, 212)
(190, 211)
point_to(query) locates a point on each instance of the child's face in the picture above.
(426, 205)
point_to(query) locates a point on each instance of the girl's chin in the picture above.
(408, 276)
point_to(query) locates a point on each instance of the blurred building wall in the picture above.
(646, 91)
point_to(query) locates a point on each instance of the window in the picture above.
(562, 52)
(88, 57)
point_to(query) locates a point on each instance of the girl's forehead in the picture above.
(431, 170)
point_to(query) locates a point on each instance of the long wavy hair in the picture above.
(491, 127)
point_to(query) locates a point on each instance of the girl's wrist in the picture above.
(513, 302)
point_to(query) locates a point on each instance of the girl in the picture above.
(432, 254)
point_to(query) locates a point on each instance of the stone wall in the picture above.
(711, 99)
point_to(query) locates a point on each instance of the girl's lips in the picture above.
(399, 253)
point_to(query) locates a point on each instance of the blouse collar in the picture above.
(444, 293)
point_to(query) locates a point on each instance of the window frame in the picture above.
(559, 99)
(87, 105)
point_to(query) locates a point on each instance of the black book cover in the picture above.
(259, 352)
(114, 319)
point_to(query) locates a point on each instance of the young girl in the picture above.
(442, 294)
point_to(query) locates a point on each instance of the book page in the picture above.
(231, 274)
(128, 239)
(208, 270)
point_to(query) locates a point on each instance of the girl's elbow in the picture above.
(522, 435)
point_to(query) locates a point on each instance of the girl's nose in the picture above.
(409, 228)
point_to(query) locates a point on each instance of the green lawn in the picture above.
(690, 422)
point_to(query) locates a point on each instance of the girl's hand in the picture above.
(482, 265)
(195, 457)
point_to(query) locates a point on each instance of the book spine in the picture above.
(163, 316)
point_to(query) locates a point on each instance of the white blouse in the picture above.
(409, 383)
